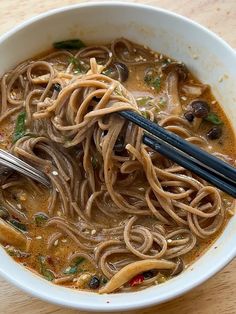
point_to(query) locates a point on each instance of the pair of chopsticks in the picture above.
(208, 167)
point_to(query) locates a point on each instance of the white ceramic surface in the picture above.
(209, 57)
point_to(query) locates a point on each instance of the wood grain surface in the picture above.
(217, 295)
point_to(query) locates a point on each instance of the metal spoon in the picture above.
(9, 161)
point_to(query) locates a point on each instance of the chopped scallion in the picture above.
(69, 44)
(152, 79)
(20, 129)
(40, 219)
(18, 225)
(94, 161)
(213, 118)
(75, 267)
(142, 101)
(47, 273)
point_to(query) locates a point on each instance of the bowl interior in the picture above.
(208, 57)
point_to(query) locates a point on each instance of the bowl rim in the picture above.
(139, 303)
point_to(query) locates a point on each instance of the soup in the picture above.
(118, 216)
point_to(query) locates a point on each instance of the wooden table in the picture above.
(218, 294)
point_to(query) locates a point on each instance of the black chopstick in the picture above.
(207, 160)
(189, 163)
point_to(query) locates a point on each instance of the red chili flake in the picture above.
(50, 261)
(136, 280)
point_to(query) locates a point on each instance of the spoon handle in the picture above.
(8, 160)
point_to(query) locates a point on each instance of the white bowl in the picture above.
(208, 56)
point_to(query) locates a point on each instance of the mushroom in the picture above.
(199, 109)
(178, 268)
(175, 72)
(194, 89)
(122, 71)
(12, 236)
(176, 67)
(215, 132)
(118, 71)
(133, 269)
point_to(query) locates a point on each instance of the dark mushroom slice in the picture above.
(178, 268)
(148, 274)
(175, 72)
(200, 108)
(94, 282)
(189, 116)
(214, 133)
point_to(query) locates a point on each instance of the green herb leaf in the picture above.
(78, 261)
(213, 118)
(148, 79)
(162, 102)
(74, 269)
(71, 270)
(104, 280)
(165, 61)
(156, 83)
(40, 219)
(151, 79)
(144, 114)
(18, 225)
(107, 72)
(94, 161)
(47, 273)
(20, 129)
(118, 92)
(79, 68)
(69, 44)
(73, 60)
(11, 251)
(142, 101)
